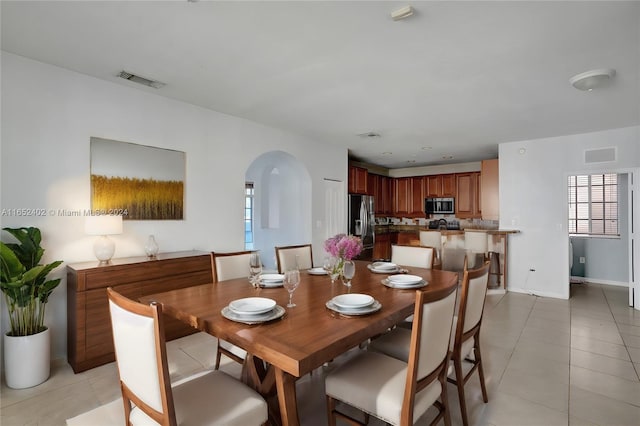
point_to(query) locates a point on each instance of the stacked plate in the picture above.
(271, 280)
(383, 267)
(252, 310)
(354, 304)
(317, 271)
(404, 281)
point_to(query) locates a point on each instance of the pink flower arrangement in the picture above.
(343, 246)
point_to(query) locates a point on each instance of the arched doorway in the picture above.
(281, 203)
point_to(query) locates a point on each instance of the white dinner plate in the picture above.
(252, 305)
(352, 301)
(272, 278)
(384, 269)
(374, 307)
(404, 279)
(384, 266)
(275, 313)
(317, 271)
(391, 284)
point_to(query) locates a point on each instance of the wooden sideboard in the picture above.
(89, 338)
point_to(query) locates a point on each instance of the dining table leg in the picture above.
(286, 386)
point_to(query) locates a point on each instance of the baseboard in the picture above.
(496, 291)
(537, 293)
(601, 281)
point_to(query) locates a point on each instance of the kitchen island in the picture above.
(452, 239)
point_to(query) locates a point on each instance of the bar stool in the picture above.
(432, 239)
(475, 243)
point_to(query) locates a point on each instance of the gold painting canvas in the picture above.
(137, 181)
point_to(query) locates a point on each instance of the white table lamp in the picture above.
(103, 225)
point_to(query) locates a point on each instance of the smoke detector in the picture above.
(402, 13)
(141, 80)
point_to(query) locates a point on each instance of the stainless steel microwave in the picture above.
(444, 205)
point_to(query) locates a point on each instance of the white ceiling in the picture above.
(455, 79)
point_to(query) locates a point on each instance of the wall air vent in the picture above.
(602, 155)
(140, 80)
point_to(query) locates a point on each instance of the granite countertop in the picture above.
(418, 228)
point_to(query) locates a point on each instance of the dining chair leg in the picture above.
(331, 406)
(478, 357)
(445, 402)
(457, 363)
(218, 356)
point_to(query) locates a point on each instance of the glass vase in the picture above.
(151, 247)
(336, 272)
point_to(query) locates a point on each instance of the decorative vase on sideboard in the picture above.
(27, 359)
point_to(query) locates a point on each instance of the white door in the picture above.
(334, 208)
(634, 256)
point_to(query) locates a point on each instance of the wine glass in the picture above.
(348, 271)
(291, 282)
(255, 269)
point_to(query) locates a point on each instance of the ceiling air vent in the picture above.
(140, 80)
(603, 155)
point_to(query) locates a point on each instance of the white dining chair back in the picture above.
(419, 257)
(400, 392)
(231, 265)
(147, 393)
(432, 239)
(290, 257)
(476, 244)
(228, 266)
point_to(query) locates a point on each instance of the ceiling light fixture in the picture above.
(402, 13)
(140, 80)
(589, 80)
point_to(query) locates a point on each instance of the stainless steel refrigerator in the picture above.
(362, 222)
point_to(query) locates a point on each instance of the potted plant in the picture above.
(27, 347)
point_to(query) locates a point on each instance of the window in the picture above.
(593, 204)
(248, 216)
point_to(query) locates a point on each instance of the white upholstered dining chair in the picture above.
(289, 257)
(395, 391)
(419, 257)
(465, 336)
(147, 394)
(228, 266)
(432, 239)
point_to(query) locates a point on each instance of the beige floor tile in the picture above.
(601, 410)
(634, 353)
(511, 410)
(607, 385)
(592, 322)
(550, 336)
(536, 389)
(498, 338)
(599, 347)
(542, 367)
(605, 334)
(604, 314)
(603, 364)
(548, 324)
(630, 340)
(557, 353)
(629, 329)
(574, 421)
(630, 318)
(556, 316)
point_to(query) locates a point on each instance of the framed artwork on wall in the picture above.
(137, 181)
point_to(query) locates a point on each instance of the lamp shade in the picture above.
(103, 225)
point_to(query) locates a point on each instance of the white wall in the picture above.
(533, 199)
(48, 116)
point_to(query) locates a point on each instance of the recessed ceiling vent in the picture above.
(370, 135)
(603, 155)
(140, 80)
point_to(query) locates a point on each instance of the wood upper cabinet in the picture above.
(409, 196)
(467, 198)
(440, 185)
(380, 187)
(358, 180)
(489, 195)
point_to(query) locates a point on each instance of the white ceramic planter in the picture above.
(27, 359)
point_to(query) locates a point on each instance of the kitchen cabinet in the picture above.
(408, 239)
(358, 180)
(489, 195)
(440, 185)
(382, 247)
(409, 196)
(89, 338)
(467, 198)
(380, 187)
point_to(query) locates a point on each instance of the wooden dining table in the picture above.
(307, 336)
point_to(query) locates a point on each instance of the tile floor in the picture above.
(547, 362)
